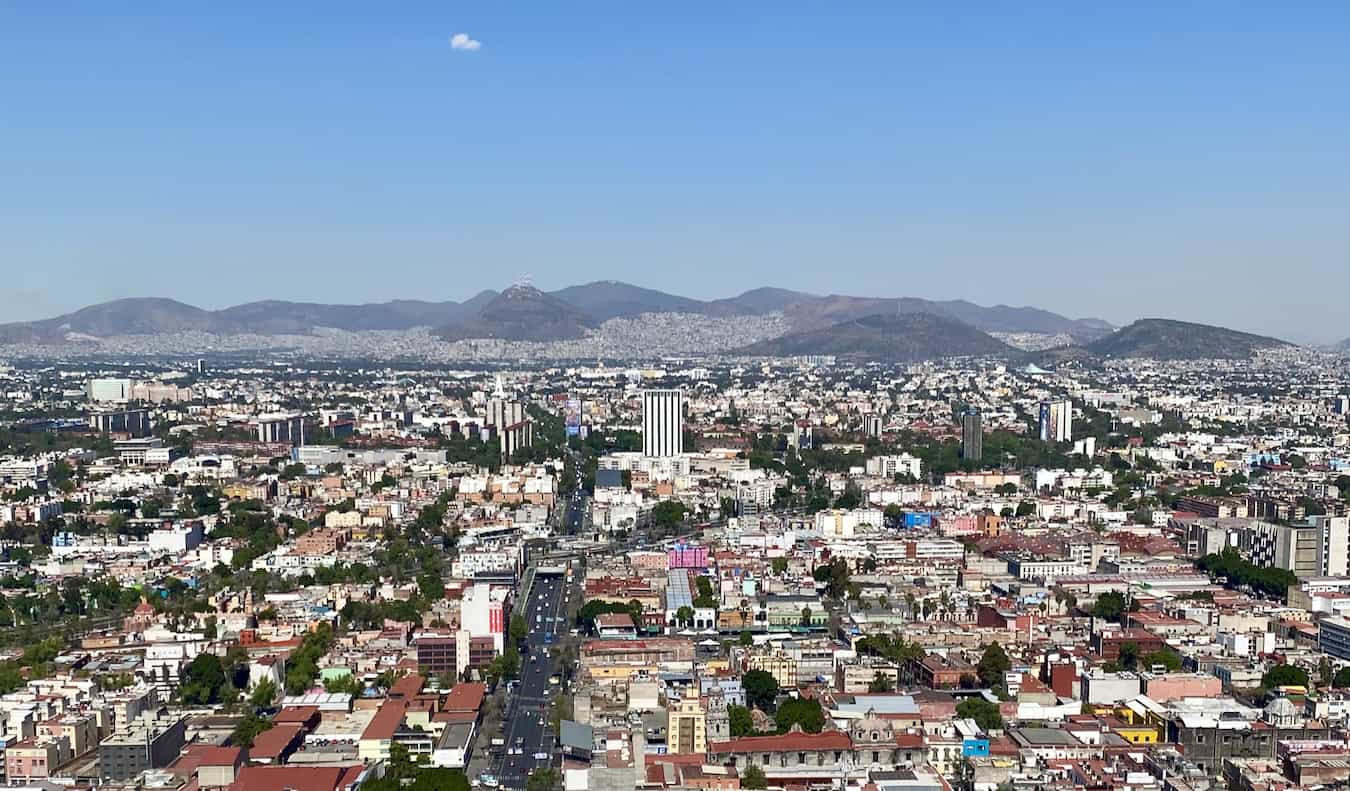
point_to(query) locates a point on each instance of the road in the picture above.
(526, 726)
(527, 729)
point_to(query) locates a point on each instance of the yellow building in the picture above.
(687, 731)
(778, 664)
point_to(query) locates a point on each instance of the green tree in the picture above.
(993, 665)
(800, 711)
(1164, 657)
(264, 694)
(1284, 676)
(248, 729)
(881, 683)
(202, 681)
(1111, 606)
(752, 777)
(740, 720)
(985, 714)
(542, 780)
(780, 566)
(1342, 678)
(761, 689)
(685, 615)
(747, 638)
(668, 514)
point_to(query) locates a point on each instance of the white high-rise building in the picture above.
(662, 423)
(1057, 421)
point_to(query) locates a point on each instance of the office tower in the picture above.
(662, 423)
(972, 435)
(515, 436)
(282, 429)
(872, 425)
(201, 365)
(1341, 405)
(116, 390)
(502, 413)
(1057, 421)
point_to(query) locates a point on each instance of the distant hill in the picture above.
(137, 316)
(1168, 339)
(890, 337)
(521, 313)
(1343, 346)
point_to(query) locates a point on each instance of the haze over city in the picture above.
(1133, 161)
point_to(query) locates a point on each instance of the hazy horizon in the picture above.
(1108, 163)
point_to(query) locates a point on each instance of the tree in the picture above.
(248, 729)
(780, 566)
(994, 664)
(740, 720)
(264, 694)
(542, 780)
(1284, 676)
(835, 575)
(752, 777)
(761, 689)
(806, 616)
(747, 638)
(881, 683)
(685, 615)
(800, 711)
(1112, 606)
(202, 681)
(1342, 678)
(985, 714)
(668, 514)
(1164, 657)
(519, 629)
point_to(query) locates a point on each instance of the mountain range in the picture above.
(570, 310)
(895, 329)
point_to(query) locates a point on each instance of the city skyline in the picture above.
(1150, 161)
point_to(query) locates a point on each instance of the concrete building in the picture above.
(662, 423)
(686, 733)
(109, 390)
(147, 743)
(972, 435)
(282, 429)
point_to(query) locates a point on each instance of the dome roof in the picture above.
(1282, 708)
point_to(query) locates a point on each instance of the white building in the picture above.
(662, 423)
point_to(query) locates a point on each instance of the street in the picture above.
(526, 727)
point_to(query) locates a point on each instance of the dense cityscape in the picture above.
(708, 572)
(870, 396)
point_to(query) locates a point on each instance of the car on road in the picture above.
(489, 780)
(514, 751)
(541, 756)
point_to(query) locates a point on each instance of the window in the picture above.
(876, 757)
(801, 758)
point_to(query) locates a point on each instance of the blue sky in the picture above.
(1186, 160)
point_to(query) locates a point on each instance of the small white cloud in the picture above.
(462, 41)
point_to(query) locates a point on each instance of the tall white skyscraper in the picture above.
(1057, 421)
(662, 423)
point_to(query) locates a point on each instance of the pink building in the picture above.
(688, 556)
(1173, 686)
(958, 524)
(649, 560)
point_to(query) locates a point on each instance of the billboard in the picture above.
(572, 417)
